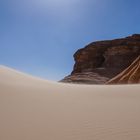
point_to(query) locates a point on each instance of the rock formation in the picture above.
(102, 60)
(131, 75)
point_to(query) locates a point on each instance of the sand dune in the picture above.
(36, 109)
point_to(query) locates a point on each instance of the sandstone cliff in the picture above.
(102, 60)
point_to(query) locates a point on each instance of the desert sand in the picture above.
(36, 109)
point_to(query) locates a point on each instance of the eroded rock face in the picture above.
(85, 78)
(130, 75)
(104, 59)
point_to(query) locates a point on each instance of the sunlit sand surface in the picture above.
(36, 109)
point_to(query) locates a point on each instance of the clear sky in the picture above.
(39, 37)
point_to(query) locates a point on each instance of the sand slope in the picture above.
(130, 75)
(35, 109)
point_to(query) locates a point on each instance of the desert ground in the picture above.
(35, 109)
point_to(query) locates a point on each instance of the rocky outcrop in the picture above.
(102, 60)
(85, 78)
(131, 75)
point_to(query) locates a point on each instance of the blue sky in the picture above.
(39, 37)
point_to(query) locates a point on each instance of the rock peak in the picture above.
(100, 61)
(136, 35)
